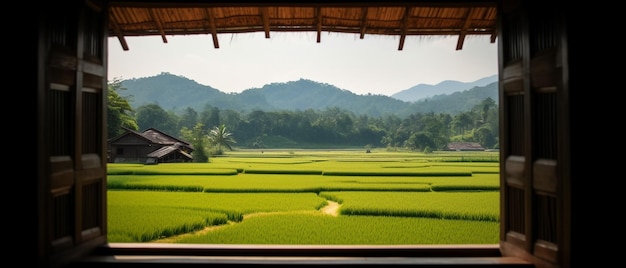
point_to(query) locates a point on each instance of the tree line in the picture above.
(331, 127)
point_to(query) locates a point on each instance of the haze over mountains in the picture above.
(447, 87)
(176, 93)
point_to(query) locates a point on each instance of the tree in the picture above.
(153, 116)
(198, 140)
(210, 116)
(420, 141)
(119, 112)
(485, 137)
(462, 121)
(219, 137)
(189, 118)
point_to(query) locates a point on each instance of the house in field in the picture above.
(464, 146)
(150, 147)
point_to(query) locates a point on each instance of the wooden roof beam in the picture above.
(459, 43)
(466, 25)
(266, 21)
(119, 34)
(363, 21)
(318, 11)
(158, 23)
(211, 19)
(405, 26)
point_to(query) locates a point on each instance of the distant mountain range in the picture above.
(423, 91)
(176, 93)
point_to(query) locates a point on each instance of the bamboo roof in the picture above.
(215, 18)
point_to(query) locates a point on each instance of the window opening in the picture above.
(402, 65)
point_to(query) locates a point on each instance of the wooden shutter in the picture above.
(534, 134)
(72, 97)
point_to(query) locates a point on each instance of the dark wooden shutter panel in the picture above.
(533, 141)
(74, 95)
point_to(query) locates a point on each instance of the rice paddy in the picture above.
(309, 197)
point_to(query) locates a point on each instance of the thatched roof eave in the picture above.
(396, 19)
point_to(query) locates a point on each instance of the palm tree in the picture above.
(219, 137)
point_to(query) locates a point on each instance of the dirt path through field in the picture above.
(331, 209)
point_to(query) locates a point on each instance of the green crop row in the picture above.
(476, 206)
(255, 182)
(149, 216)
(318, 229)
(279, 198)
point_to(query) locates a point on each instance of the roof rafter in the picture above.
(209, 15)
(318, 12)
(158, 23)
(466, 24)
(393, 19)
(405, 25)
(266, 21)
(363, 21)
(119, 34)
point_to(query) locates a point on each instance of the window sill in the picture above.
(156, 254)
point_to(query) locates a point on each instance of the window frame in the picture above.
(90, 247)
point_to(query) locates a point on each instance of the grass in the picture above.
(277, 196)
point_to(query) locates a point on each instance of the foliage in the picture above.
(331, 127)
(342, 119)
(219, 137)
(153, 116)
(198, 140)
(119, 112)
(297, 95)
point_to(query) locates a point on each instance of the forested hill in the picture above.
(306, 94)
(176, 93)
(423, 91)
(460, 101)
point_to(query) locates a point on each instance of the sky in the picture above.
(372, 65)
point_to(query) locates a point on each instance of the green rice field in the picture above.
(308, 197)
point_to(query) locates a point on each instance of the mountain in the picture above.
(423, 91)
(176, 93)
(306, 94)
(169, 91)
(460, 101)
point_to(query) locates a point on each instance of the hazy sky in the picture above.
(370, 65)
